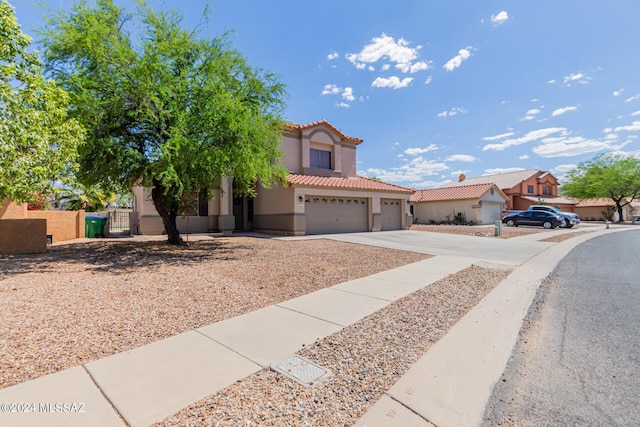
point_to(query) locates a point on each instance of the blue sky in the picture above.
(439, 88)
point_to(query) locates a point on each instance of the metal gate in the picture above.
(119, 222)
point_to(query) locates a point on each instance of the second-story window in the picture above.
(320, 159)
(530, 189)
(546, 190)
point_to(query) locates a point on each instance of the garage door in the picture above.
(391, 212)
(336, 214)
(491, 212)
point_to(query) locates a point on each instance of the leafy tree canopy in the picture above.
(38, 141)
(169, 109)
(612, 176)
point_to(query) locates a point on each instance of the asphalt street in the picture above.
(577, 360)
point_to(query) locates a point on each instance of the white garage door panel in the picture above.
(391, 212)
(336, 215)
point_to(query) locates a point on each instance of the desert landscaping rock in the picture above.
(365, 359)
(84, 301)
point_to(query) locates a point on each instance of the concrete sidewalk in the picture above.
(448, 386)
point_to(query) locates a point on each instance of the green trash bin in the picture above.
(94, 226)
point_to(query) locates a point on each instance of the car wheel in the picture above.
(567, 223)
(511, 222)
(547, 225)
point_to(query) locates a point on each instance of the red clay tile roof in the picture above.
(590, 203)
(454, 193)
(356, 183)
(323, 122)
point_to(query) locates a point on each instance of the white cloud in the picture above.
(531, 136)
(348, 94)
(456, 61)
(523, 157)
(563, 168)
(561, 111)
(577, 78)
(429, 79)
(385, 67)
(500, 18)
(497, 137)
(416, 151)
(332, 56)
(552, 81)
(618, 92)
(458, 173)
(496, 171)
(386, 47)
(633, 127)
(392, 82)
(454, 111)
(413, 171)
(636, 113)
(633, 98)
(569, 147)
(414, 68)
(530, 115)
(342, 105)
(461, 158)
(331, 89)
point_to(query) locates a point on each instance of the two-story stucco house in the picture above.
(524, 188)
(323, 194)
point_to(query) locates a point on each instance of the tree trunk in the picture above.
(620, 213)
(167, 214)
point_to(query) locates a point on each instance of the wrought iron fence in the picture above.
(120, 222)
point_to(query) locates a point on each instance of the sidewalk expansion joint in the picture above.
(93, 380)
(229, 348)
(410, 409)
(364, 295)
(308, 315)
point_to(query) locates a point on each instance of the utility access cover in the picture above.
(301, 370)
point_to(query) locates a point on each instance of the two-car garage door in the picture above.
(336, 214)
(348, 214)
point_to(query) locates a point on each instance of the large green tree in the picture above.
(38, 141)
(612, 176)
(164, 107)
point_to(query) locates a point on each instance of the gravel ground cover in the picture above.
(84, 301)
(366, 359)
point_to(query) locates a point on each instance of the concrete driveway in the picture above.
(512, 251)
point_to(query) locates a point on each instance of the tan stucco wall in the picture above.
(438, 211)
(23, 236)
(11, 210)
(291, 153)
(146, 221)
(296, 148)
(62, 225)
(595, 212)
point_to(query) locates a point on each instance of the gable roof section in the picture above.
(342, 183)
(344, 138)
(462, 192)
(502, 180)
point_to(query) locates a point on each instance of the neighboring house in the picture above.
(591, 209)
(323, 194)
(480, 204)
(524, 188)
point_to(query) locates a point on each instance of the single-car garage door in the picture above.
(391, 212)
(336, 214)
